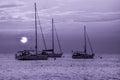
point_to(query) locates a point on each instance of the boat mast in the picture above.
(53, 35)
(58, 39)
(90, 43)
(42, 32)
(36, 48)
(85, 39)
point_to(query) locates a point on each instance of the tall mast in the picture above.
(53, 35)
(42, 32)
(58, 39)
(36, 48)
(89, 43)
(85, 39)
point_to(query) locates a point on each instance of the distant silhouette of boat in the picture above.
(51, 52)
(84, 54)
(32, 54)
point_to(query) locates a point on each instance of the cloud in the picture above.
(67, 13)
(10, 5)
(99, 17)
(82, 16)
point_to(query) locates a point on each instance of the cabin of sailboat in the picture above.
(32, 54)
(84, 54)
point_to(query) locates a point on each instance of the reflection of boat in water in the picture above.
(84, 54)
(51, 52)
(32, 54)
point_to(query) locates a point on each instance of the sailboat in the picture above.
(32, 54)
(51, 52)
(84, 54)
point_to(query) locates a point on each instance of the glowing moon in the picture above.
(23, 40)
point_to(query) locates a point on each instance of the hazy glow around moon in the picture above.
(23, 40)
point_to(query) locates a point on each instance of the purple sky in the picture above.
(102, 18)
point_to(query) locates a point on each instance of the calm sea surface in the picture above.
(66, 68)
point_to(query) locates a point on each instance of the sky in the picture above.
(101, 18)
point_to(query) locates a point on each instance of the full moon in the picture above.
(23, 40)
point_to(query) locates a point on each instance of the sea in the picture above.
(102, 67)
